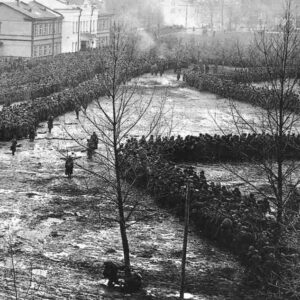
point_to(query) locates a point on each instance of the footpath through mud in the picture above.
(61, 231)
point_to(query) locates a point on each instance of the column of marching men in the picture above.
(55, 86)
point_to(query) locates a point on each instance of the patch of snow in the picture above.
(40, 272)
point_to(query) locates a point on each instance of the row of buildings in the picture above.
(49, 27)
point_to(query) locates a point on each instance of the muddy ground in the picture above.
(61, 231)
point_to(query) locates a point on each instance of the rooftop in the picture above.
(54, 4)
(32, 9)
(99, 4)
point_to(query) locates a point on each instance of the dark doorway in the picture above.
(83, 45)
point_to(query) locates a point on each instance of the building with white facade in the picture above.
(71, 15)
(29, 30)
(94, 25)
(79, 31)
(85, 24)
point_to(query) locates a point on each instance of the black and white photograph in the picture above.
(149, 149)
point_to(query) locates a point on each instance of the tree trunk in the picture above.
(124, 238)
(123, 232)
(185, 240)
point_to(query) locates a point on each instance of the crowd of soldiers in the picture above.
(19, 120)
(239, 222)
(48, 76)
(222, 148)
(256, 96)
(8, 64)
(159, 66)
(216, 210)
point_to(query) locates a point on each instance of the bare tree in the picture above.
(276, 55)
(124, 111)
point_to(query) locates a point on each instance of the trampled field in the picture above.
(62, 227)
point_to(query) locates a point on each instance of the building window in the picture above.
(57, 48)
(57, 27)
(49, 49)
(44, 29)
(36, 30)
(35, 51)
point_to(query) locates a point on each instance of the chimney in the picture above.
(18, 2)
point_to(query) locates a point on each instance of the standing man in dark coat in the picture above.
(50, 123)
(13, 146)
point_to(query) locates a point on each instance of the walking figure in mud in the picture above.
(178, 74)
(69, 165)
(32, 134)
(50, 123)
(94, 139)
(92, 145)
(13, 146)
(90, 148)
(77, 110)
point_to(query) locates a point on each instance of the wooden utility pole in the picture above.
(185, 239)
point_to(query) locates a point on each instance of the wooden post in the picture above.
(185, 239)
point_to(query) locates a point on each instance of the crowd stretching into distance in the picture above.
(46, 89)
(55, 86)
